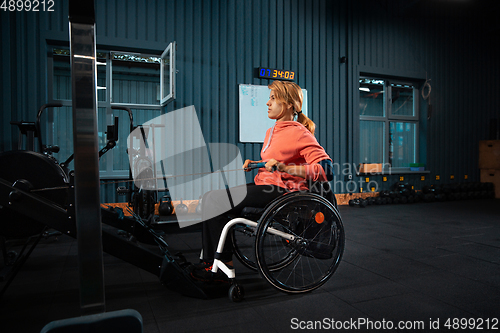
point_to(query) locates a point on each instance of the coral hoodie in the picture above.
(292, 144)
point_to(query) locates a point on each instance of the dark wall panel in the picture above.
(221, 42)
(450, 51)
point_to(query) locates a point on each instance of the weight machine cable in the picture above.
(162, 244)
(142, 179)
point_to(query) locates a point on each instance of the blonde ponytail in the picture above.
(308, 123)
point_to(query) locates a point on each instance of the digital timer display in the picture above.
(276, 74)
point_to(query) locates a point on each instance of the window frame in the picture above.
(108, 172)
(170, 52)
(130, 105)
(389, 117)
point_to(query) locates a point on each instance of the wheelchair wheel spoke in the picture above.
(309, 260)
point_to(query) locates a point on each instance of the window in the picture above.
(135, 79)
(388, 122)
(123, 79)
(167, 72)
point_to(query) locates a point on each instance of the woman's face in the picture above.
(275, 108)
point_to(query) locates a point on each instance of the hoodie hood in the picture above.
(280, 126)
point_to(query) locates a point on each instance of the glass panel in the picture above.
(120, 156)
(102, 126)
(402, 100)
(402, 144)
(371, 97)
(372, 143)
(166, 76)
(136, 79)
(61, 74)
(101, 77)
(57, 130)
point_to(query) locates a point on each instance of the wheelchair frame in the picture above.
(294, 243)
(230, 272)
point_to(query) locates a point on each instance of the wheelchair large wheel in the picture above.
(308, 226)
(243, 241)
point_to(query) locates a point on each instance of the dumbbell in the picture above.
(165, 208)
(371, 201)
(427, 189)
(440, 197)
(358, 202)
(181, 209)
(429, 197)
(198, 208)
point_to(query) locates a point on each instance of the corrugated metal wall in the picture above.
(221, 42)
(454, 54)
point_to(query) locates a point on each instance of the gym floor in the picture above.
(415, 263)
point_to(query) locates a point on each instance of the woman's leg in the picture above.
(216, 208)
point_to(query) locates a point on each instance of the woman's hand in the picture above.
(247, 162)
(294, 170)
(273, 165)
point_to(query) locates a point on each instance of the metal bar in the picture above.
(132, 252)
(22, 259)
(85, 147)
(241, 220)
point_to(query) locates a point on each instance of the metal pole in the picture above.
(86, 151)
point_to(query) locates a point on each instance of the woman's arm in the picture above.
(321, 171)
(294, 170)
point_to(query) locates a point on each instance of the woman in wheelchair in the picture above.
(293, 160)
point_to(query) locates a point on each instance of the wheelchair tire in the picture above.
(243, 241)
(317, 247)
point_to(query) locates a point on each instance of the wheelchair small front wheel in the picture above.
(236, 293)
(307, 226)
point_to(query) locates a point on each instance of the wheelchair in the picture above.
(296, 242)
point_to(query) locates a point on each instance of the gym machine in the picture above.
(37, 193)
